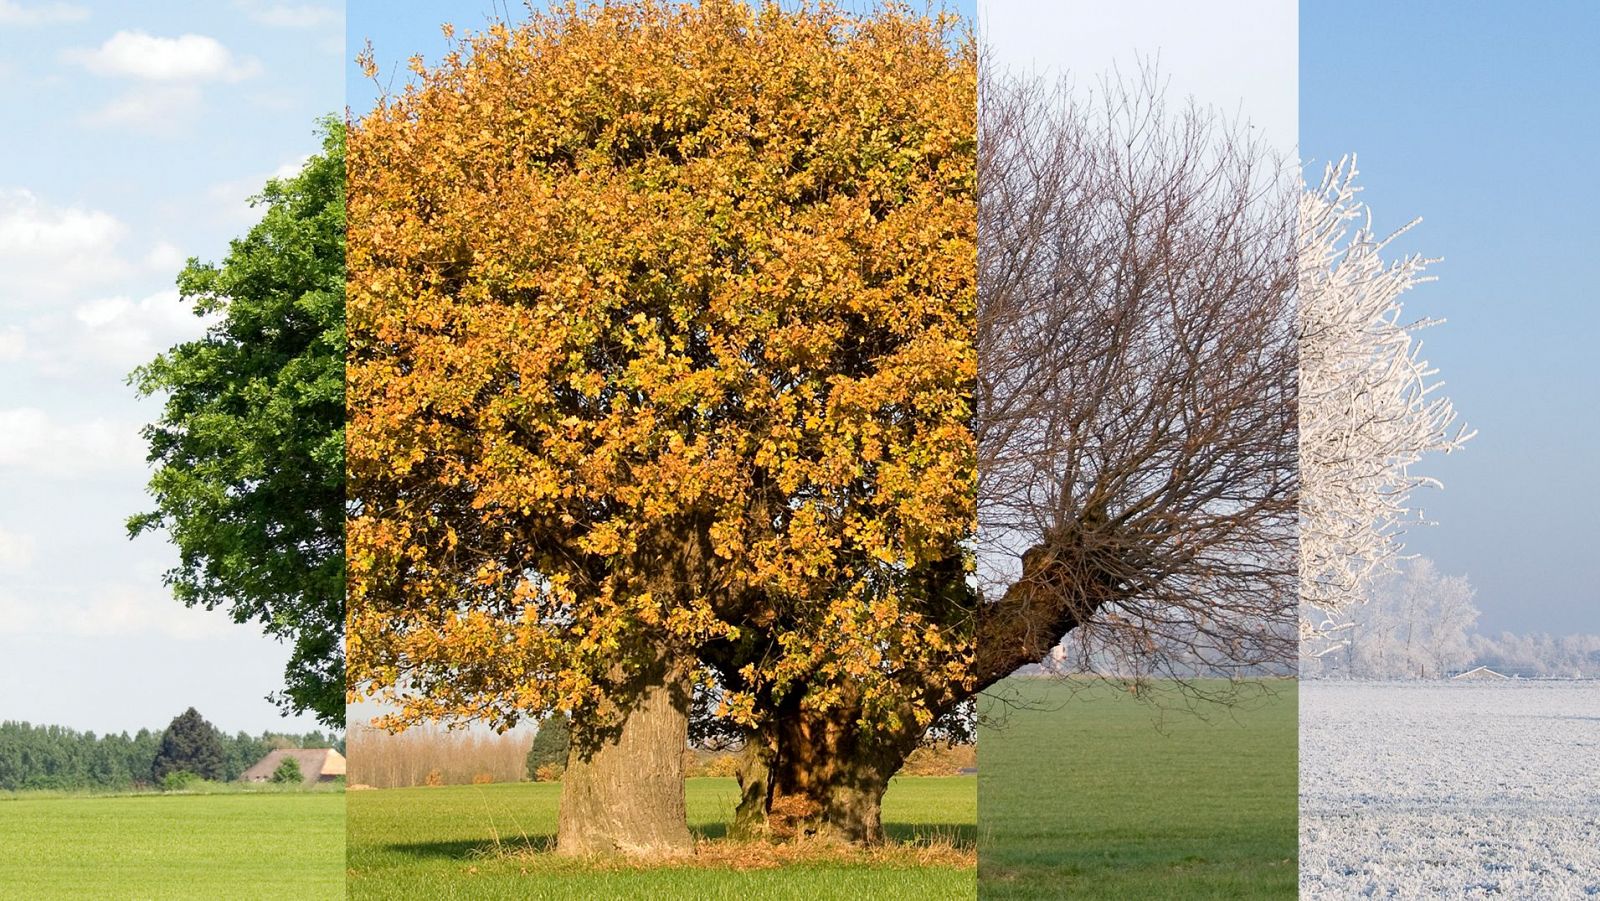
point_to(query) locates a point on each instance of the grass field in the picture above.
(153, 847)
(475, 842)
(1087, 792)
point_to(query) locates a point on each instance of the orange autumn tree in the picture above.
(660, 373)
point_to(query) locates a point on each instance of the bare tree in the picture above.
(1370, 407)
(1136, 399)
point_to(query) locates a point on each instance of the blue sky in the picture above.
(400, 28)
(1483, 118)
(143, 129)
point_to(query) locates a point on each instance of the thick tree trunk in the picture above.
(755, 781)
(828, 779)
(622, 792)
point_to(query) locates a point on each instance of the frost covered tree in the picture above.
(1370, 406)
(1417, 625)
(1540, 655)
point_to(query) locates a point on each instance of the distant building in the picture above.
(316, 765)
(1480, 674)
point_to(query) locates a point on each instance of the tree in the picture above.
(550, 744)
(249, 449)
(242, 752)
(1416, 624)
(288, 772)
(1137, 391)
(190, 745)
(1135, 423)
(1370, 406)
(661, 360)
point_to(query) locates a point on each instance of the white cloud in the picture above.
(123, 333)
(16, 551)
(112, 611)
(32, 441)
(152, 108)
(103, 339)
(164, 257)
(121, 609)
(144, 56)
(169, 71)
(233, 196)
(28, 228)
(13, 344)
(48, 252)
(13, 13)
(284, 15)
(17, 618)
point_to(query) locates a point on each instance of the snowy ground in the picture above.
(1450, 790)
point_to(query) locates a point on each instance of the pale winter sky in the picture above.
(1482, 118)
(133, 135)
(1238, 56)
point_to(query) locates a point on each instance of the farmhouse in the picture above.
(1480, 674)
(316, 765)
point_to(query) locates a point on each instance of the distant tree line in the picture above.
(58, 758)
(1420, 624)
(433, 755)
(1539, 655)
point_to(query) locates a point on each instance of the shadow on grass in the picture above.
(963, 836)
(960, 835)
(471, 850)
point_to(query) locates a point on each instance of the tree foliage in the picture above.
(54, 757)
(190, 745)
(288, 772)
(249, 449)
(550, 745)
(661, 344)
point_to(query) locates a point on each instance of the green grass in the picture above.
(1087, 792)
(234, 845)
(474, 842)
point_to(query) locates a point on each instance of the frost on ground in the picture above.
(1450, 790)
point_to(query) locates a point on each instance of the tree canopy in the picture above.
(550, 744)
(661, 339)
(249, 449)
(288, 772)
(190, 745)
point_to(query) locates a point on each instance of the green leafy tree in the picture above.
(190, 745)
(549, 744)
(249, 450)
(243, 750)
(288, 772)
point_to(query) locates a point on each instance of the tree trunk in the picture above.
(755, 790)
(622, 792)
(828, 779)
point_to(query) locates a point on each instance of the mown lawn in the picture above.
(485, 842)
(1087, 792)
(256, 845)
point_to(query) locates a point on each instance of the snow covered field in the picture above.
(1450, 790)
